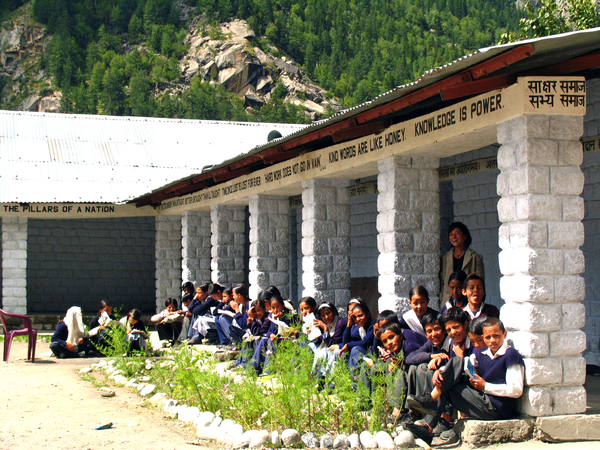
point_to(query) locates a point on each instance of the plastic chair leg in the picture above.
(7, 343)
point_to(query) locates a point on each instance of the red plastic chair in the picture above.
(26, 331)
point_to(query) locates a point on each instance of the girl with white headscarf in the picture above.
(68, 339)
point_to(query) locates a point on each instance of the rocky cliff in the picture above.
(230, 56)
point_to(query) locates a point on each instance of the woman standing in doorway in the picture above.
(460, 257)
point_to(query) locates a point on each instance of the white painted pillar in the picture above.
(269, 243)
(168, 259)
(14, 264)
(228, 226)
(541, 211)
(408, 223)
(326, 240)
(196, 247)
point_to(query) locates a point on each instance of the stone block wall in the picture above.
(14, 265)
(269, 262)
(196, 247)
(229, 249)
(541, 234)
(474, 202)
(167, 259)
(363, 236)
(591, 223)
(326, 240)
(80, 262)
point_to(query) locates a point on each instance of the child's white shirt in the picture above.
(515, 376)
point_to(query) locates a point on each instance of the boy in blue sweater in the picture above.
(490, 394)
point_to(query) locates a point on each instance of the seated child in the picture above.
(202, 314)
(258, 325)
(68, 340)
(361, 323)
(389, 366)
(455, 285)
(232, 328)
(419, 303)
(100, 326)
(331, 324)
(308, 310)
(412, 341)
(428, 358)
(186, 300)
(474, 290)
(489, 394)
(456, 323)
(475, 332)
(168, 322)
(135, 331)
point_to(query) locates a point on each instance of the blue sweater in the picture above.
(350, 339)
(494, 371)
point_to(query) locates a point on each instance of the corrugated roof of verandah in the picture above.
(48, 157)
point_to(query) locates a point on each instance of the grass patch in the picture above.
(290, 396)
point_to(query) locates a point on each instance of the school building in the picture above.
(505, 140)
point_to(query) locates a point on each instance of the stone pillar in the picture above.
(168, 259)
(195, 246)
(228, 225)
(14, 264)
(541, 211)
(326, 240)
(408, 223)
(269, 243)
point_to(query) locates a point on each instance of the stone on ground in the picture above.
(354, 440)
(106, 392)
(290, 437)
(384, 440)
(577, 427)
(341, 441)
(275, 438)
(310, 440)
(147, 390)
(327, 441)
(405, 439)
(477, 433)
(367, 440)
(204, 419)
(259, 439)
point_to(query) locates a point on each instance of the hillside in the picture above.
(233, 59)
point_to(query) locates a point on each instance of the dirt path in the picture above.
(47, 405)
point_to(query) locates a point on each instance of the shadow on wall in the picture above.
(367, 289)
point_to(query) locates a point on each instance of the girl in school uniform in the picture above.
(419, 304)
(359, 322)
(455, 286)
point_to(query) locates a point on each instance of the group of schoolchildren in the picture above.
(71, 341)
(436, 364)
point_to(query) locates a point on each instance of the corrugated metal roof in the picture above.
(81, 158)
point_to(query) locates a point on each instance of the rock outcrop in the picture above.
(235, 60)
(26, 86)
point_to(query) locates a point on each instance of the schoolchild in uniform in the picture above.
(232, 328)
(361, 323)
(475, 332)
(389, 368)
(135, 331)
(456, 323)
(455, 286)
(191, 300)
(69, 341)
(258, 328)
(168, 322)
(474, 290)
(487, 389)
(202, 318)
(419, 304)
(429, 357)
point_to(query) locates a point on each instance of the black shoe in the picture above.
(442, 426)
(420, 432)
(423, 403)
(409, 417)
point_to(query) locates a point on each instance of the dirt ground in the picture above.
(46, 405)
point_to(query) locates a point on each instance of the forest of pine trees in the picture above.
(357, 49)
